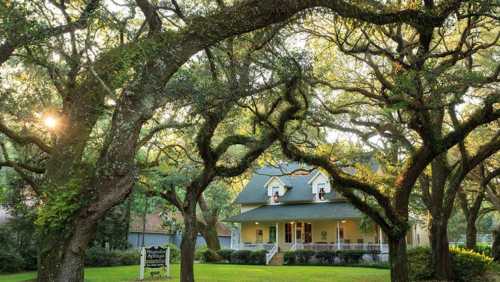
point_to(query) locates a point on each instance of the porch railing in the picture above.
(383, 248)
(256, 246)
(270, 254)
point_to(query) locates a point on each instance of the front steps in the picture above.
(278, 259)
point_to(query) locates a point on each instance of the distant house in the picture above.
(155, 233)
(290, 207)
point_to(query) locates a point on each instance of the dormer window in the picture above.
(322, 194)
(276, 194)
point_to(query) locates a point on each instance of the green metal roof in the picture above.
(312, 211)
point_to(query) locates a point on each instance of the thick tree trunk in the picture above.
(398, 259)
(211, 237)
(188, 244)
(471, 234)
(209, 233)
(62, 259)
(441, 258)
(495, 248)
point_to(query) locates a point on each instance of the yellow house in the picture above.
(291, 207)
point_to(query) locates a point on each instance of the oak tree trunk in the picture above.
(398, 259)
(209, 233)
(471, 234)
(62, 259)
(495, 248)
(440, 254)
(188, 244)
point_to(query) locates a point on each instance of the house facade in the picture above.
(291, 207)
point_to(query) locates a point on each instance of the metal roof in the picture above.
(311, 211)
(298, 190)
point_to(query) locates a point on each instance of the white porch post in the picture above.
(295, 233)
(276, 234)
(338, 235)
(380, 238)
(240, 240)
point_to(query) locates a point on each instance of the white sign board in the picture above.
(155, 257)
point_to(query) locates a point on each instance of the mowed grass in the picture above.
(231, 273)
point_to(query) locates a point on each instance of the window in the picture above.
(322, 194)
(259, 234)
(288, 232)
(276, 194)
(360, 241)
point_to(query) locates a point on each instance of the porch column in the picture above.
(338, 235)
(294, 233)
(240, 240)
(277, 234)
(380, 238)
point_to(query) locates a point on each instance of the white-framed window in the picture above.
(321, 194)
(321, 188)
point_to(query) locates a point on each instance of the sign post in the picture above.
(155, 257)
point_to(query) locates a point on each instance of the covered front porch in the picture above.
(343, 234)
(323, 226)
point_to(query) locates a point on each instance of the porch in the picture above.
(324, 235)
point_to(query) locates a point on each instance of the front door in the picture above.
(272, 234)
(307, 233)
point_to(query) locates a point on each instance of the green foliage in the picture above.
(351, 256)
(258, 257)
(60, 206)
(467, 265)
(326, 257)
(241, 257)
(209, 255)
(175, 253)
(97, 256)
(225, 254)
(11, 262)
(344, 257)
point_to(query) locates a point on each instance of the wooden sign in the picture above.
(155, 257)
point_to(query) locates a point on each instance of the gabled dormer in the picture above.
(276, 189)
(320, 187)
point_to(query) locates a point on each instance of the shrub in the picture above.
(225, 254)
(258, 257)
(351, 256)
(198, 255)
(209, 255)
(289, 258)
(98, 256)
(419, 261)
(175, 253)
(241, 257)
(466, 265)
(11, 262)
(326, 257)
(127, 257)
(304, 256)
(483, 249)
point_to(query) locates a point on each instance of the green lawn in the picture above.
(230, 273)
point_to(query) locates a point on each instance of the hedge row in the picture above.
(467, 265)
(301, 257)
(232, 256)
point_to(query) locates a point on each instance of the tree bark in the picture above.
(209, 233)
(441, 258)
(188, 244)
(495, 248)
(62, 259)
(398, 259)
(471, 234)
